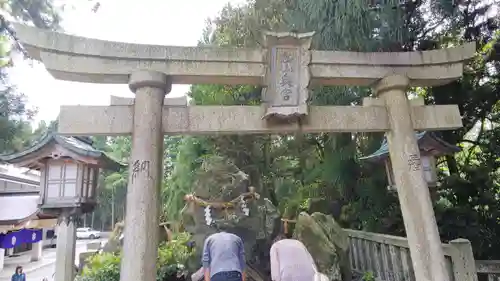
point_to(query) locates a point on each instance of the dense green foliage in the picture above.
(102, 267)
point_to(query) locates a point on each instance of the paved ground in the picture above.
(36, 271)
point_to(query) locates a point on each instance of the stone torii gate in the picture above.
(287, 69)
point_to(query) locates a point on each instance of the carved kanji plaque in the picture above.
(287, 76)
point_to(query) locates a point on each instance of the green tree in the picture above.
(113, 185)
(15, 116)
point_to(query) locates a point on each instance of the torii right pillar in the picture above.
(414, 197)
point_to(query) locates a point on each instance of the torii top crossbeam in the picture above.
(285, 67)
(82, 59)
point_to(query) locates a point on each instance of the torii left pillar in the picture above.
(145, 173)
(65, 250)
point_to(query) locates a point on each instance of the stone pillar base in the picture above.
(36, 251)
(65, 252)
(2, 258)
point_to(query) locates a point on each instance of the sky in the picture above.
(165, 22)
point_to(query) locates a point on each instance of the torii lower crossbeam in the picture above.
(200, 120)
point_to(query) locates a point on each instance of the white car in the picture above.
(87, 233)
(50, 240)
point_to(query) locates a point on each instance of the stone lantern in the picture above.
(431, 147)
(69, 169)
(68, 184)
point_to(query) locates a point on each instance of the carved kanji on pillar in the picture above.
(287, 75)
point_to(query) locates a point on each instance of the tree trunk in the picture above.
(113, 208)
(123, 212)
(452, 164)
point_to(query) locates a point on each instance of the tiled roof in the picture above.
(14, 209)
(383, 151)
(79, 145)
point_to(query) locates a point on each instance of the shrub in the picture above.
(172, 257)
(102, 267)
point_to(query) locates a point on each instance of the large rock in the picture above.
(218, 181)
(327, 243)
(114, 243)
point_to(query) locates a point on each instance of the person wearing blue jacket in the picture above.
(19, 274)
(223, 258)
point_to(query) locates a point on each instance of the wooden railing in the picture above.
(488, 270)
(388, 257)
